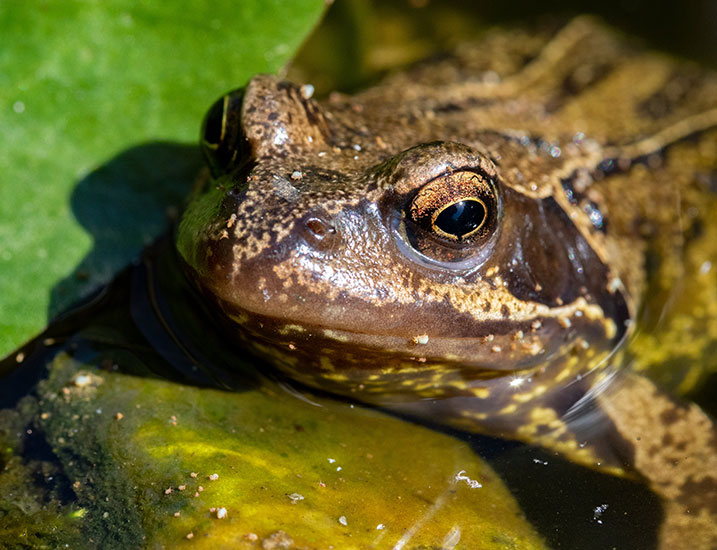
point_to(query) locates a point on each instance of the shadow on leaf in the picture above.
(125, 205)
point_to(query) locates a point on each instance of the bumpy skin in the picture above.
(598, 166)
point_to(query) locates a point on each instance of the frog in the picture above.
(482, 240)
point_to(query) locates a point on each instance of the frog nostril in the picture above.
(319, 228)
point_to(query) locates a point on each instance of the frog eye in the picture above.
(223, 142)
(451, 217)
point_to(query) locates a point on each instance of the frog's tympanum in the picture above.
(474, 240)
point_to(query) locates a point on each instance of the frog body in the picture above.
(476, 239)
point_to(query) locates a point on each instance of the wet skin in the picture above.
(481, 241)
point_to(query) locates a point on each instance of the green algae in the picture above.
(32, 515)
(154, 464)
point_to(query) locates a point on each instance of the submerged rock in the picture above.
(154, 464)
(34, 508)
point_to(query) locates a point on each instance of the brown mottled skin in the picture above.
(592, 167)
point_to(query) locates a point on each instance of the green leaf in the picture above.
(98, 101)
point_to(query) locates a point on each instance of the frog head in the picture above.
(373, 252)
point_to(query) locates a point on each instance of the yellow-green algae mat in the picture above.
(154, 464)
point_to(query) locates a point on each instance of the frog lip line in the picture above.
(579, 310)
(533, 357)
(494, 370)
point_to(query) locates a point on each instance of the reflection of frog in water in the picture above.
(469, 242)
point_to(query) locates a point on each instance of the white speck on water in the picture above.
(342, 520)
(82, 380)
(18, 107)
(356, 147)
(705, 268)
(472, 483)
(380, 526)
(598, 511)
(331, 460)
(541, 462)
(452, 538)
(295, 497)
(339, 469)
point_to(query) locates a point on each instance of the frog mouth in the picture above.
(343, 348)
(388, 371)
(378, 369)
(366, 356)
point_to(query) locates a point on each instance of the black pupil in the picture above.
(461, 218)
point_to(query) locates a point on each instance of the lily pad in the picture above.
(81, 82)
(156, 465)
